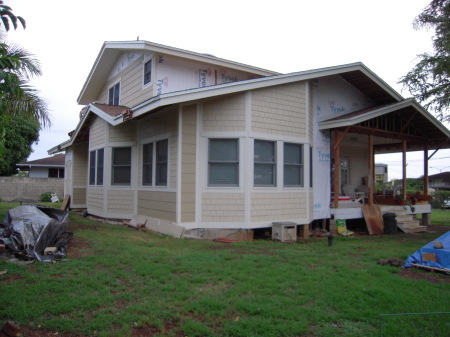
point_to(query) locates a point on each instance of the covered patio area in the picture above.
(356, 138)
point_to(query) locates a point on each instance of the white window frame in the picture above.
(113, 183)
(114, 95)
(151, 72)
(210, 162)
(272, 164)
(154, 164)
(96, 167)
(300, 165)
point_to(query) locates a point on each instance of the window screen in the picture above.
(148, 72)
(293, 164)
(223, 162)
(264, 163)
(147, 164)
(114, 93)
(121, 166)
(162, 151)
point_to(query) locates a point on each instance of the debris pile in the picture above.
(35, 233)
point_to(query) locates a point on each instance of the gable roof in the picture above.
(356, 74)
(111, 51)
(53, 161)
(386, 99)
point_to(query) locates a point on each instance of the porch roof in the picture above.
(393, 123)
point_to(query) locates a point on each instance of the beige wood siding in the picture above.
(158, 125)
(188, 159)
(223, 207)
(95, 200)
(125, 132)
(80, 164)
(157, 204)
(280, 110)
(97, 132)
(225, 114)
(120, 201)
(283, 205)
(78, 196)
(132, 91)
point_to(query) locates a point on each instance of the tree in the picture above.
(17, 67)
(7, 16)
(429, 80)
(21, 131)
(19, 102)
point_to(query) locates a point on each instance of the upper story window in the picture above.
(121, 166)
(265, 163)
(96, 159)
(293, 164)
(223, 162)
(147, 72)
(114, 94)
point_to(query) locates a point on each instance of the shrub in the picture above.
(46, 197)
(439, 199)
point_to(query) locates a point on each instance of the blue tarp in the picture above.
(442, 256)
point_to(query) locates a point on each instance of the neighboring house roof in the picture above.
(111, 51)
(356, 74)
(444, 176)
(53, 161)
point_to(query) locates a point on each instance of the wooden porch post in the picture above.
(370, 187)
(404, 169)
(337, 166)
(425, 170)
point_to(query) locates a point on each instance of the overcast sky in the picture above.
(284, 36)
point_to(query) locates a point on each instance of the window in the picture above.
(121, 166)
(155, 165)
(223, 162)
(344, 172)
(147, 72)
(100, 161)
(96, 159)
(92, 168)
(114, 94)
(162, 150)
(55, 172)
(147, 164)
(293, 164)
(264, 163)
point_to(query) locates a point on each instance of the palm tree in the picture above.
(17, 97)
(6, 15)
(17, 67)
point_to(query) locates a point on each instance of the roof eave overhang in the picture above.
(41, 165)
(91, 109)
(235, 87)
(339, 123)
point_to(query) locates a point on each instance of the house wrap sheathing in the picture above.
(176, 138)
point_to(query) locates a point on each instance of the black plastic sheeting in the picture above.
(29, 229)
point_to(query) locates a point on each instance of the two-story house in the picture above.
(190, 140)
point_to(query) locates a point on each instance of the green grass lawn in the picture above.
(119, 281)
(439, 217)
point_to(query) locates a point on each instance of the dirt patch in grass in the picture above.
(78, 248)
(33, 332)
(430, 276)
(145, 331)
